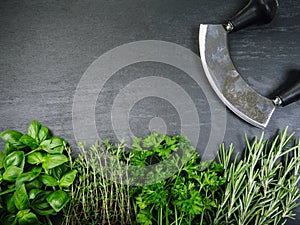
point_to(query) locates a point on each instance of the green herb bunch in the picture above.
(185, 196)
(161, 180)
(35, 175)
(261, 188)
(158, 181)
(100, 194)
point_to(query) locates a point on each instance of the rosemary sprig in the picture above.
(262, 187)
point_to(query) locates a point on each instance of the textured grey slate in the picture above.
(46, 46)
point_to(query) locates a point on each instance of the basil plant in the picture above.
(35, 176)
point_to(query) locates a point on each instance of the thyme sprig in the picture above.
(95, 198)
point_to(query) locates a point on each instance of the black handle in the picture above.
(256, 12)
(290, 92)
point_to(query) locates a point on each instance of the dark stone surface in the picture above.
(46, 46)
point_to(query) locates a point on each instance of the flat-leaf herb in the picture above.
(30, 190)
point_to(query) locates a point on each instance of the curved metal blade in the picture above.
(236, 94)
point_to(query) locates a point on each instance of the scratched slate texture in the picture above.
(46, 46)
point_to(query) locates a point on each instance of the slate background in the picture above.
(46, 46)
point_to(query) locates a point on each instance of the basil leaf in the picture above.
(8, 148)
(40, 205)
(11, 173)
(59, 171)
(21, 198)
(22, 213)
(68, 178)
(2, 156)
(28, 141)
(9, 190)
(27, 218)
(45, 145)
(33, 193)
(35, 158)
(57, 144)
(10, 219)
(44, 134)
(13, 137)
(54, 160)
(10, 204)
(58, 199)
(28, 176)
(16, 158)
(44, 211)
(36, 169)
(36, 183)
(33, 130)
(48, 180)
(53, 145)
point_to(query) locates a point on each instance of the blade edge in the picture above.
(202, 45)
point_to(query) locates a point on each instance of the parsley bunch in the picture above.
(187, 195)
